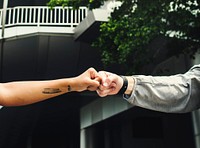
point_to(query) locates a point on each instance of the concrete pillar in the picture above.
(5, 5)
(196, 125)
(196, 114)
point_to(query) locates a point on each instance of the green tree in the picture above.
(124, 39)
(76, 3)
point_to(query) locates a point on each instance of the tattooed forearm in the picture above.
(51, 90)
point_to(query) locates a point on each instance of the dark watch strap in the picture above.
(125, 85)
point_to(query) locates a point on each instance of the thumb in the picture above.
(93, 73)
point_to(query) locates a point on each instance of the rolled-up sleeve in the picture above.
(176, 94)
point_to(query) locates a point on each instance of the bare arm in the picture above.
(28, 92)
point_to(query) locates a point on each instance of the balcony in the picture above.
(29, 20)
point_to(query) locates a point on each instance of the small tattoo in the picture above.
(51, 90)
(69, 88)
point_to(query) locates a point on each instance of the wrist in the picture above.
(130, 86)
(71, 85)
(124, 85)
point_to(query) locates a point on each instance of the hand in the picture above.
(89, 80)
(110, 84)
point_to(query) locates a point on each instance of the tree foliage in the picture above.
(125, 37)
(91, 4)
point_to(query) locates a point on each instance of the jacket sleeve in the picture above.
(175, 94)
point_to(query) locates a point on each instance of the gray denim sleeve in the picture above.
(176, 94)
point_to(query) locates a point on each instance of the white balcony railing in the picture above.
(26, 20)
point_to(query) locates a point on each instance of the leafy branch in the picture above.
(124, 39)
